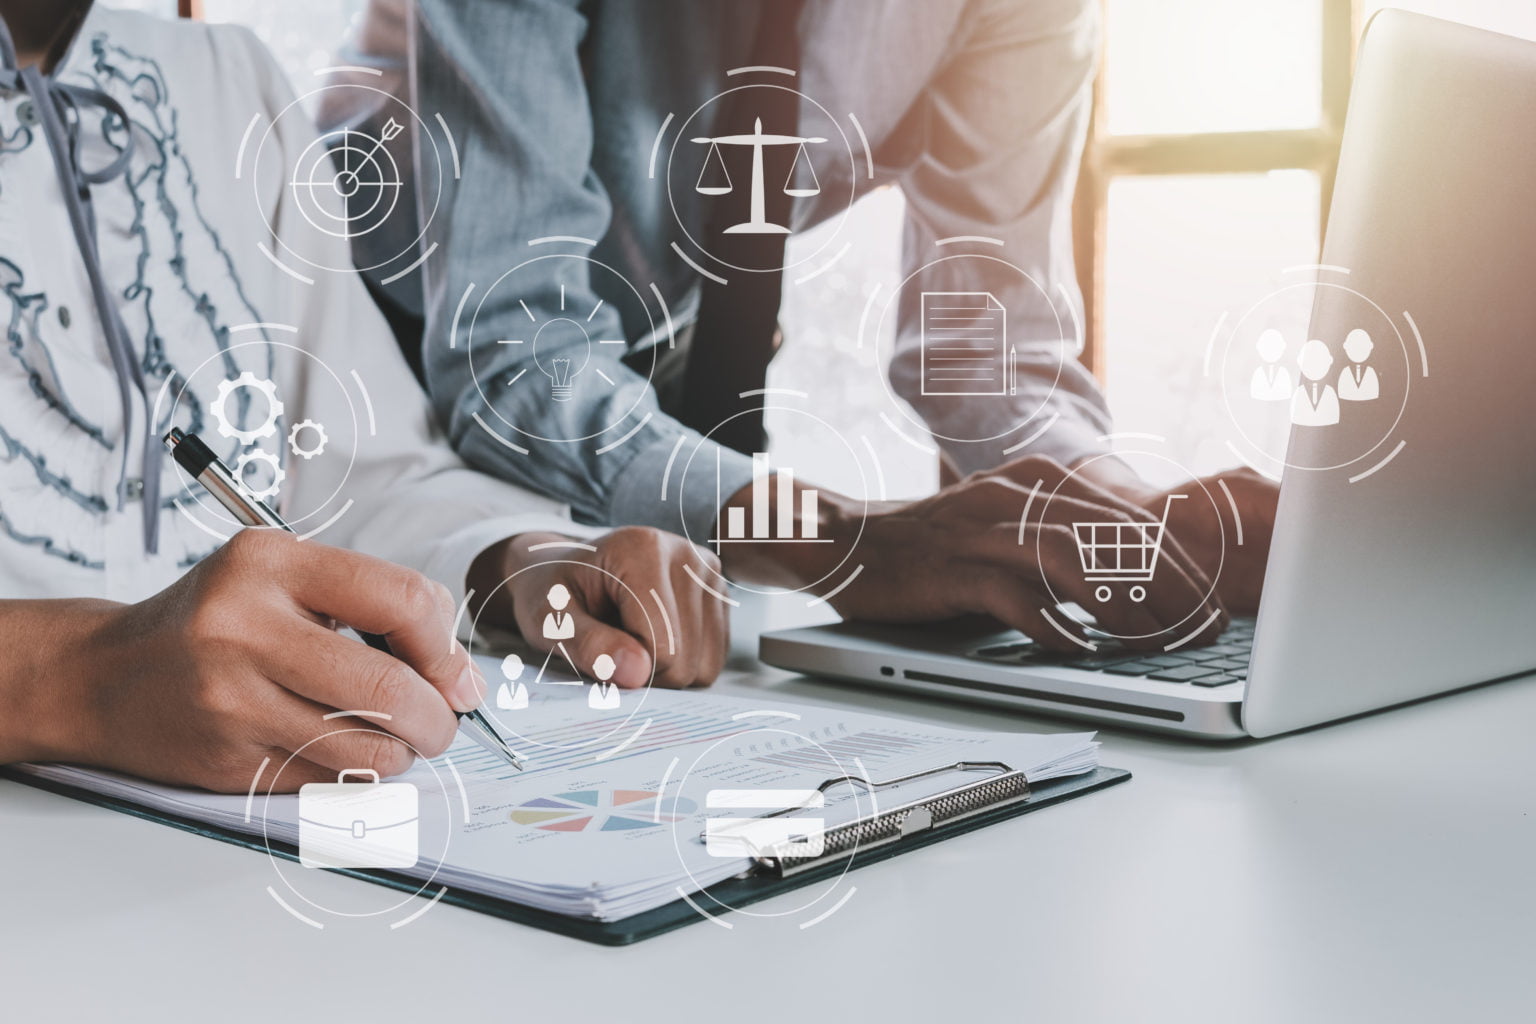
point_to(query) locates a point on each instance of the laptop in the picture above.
(1403, 559)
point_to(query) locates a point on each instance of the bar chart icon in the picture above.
(775, 502)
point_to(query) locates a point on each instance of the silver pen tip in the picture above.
(489, 737)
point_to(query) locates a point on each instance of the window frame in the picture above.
(1107, 157)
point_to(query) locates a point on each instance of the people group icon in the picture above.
(1271, 381)
(1315, 397)
(1357, 381)
(1314, 403)
(603, 695)
(559, 626)
(512, 694)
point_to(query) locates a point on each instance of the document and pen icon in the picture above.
(965, 345)
(792, 835)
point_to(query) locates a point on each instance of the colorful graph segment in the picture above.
(601, 810)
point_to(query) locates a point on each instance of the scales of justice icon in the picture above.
(715, 180)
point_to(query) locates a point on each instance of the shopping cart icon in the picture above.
(1121, 552)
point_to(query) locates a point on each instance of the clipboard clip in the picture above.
(786, 842)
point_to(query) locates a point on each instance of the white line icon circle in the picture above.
(346, 183)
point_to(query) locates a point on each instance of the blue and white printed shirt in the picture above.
(190, 244)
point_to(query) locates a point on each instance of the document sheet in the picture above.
(964, 344)
(609, 822)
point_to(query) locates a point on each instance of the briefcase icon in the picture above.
(347, 825)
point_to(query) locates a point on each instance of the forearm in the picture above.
(1022, 90)
(46, 645)
(489, 388)
(582, 474)
(1115, 475)
(840, 521)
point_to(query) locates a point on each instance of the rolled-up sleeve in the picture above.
(397, 490)
(521, 117)
(1003, 124)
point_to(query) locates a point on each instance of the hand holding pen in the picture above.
(265, 602)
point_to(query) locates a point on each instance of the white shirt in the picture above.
(179, 238)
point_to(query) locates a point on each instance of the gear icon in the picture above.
(247, 379)
(321, 439)
(268, 459)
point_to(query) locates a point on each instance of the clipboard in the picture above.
(999, 794)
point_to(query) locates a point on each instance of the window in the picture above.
(1208, 170)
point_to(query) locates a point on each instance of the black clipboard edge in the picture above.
(733, 892)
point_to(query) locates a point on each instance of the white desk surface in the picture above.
(1381, 869)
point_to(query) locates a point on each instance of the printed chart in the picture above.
(601, 810)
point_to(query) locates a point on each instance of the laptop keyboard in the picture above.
(1221, 664)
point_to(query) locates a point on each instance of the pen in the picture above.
(202, 465)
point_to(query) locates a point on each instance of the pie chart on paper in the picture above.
(602, 810)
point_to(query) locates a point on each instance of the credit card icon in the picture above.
(747, 835)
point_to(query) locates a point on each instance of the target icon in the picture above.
(346, 182)
(366, 190)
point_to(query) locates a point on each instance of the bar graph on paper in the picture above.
(775, 503)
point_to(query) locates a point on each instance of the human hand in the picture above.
(239, 661)
(962, 551)
(1208, 530)
(606, 618)
(1237, 503)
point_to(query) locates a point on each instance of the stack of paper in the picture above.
(611, 817)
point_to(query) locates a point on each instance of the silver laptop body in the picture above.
(1417, 579)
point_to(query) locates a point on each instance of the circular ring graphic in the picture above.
(507, 721)
(340, 172)
(701, 170)
(966, 353)
(1116, 557)
(764, 510)
(560, 343)
(439, 859)
(1314, 404)
(865, 806)
(348, 183)
(180, 408)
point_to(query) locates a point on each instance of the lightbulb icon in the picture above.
(562, 349)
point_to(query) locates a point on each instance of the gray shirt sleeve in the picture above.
(521, 119)
(1002, 121)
